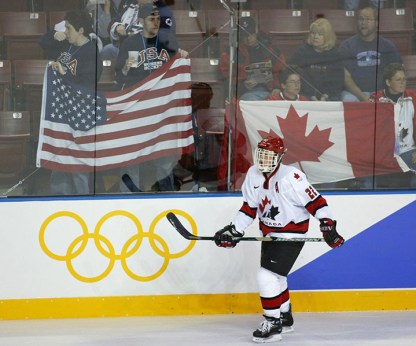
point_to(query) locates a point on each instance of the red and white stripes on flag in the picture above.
(329, 141)
(149, 120)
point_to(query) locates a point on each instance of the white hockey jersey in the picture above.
(130, 20)
(283, 202)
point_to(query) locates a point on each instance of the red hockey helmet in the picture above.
(269, 153)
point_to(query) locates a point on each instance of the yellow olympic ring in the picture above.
(46, 224)
(131, 246)
(177, 212)
(160, 271)
(107, 217)
(95, 278)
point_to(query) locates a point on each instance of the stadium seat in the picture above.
(218, 22)
(343, 22)
(14, 147)
(206, 70)
(13, 5)
(202, 164)
(55, 17)
(409, 62)
(287, 28)
(5, 85)
(20, 32)
(63, 5)
(191, 31)
(108, 76)
(210, 134)
(312, 4)
(211, 120)
(28, 82)
(194, 5)
(397, 25)
(271, 4)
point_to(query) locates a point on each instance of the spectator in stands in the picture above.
(75, 58)
(290, 84)
(128, 24)
(152, 55)
(354, 5)
(103, 14)
(259, 63)
(366, 53)
(404, 101)
(321, 63)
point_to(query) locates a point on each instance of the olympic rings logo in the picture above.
(105, 247)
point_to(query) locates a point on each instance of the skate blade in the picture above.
(273, 338)
(287, 330)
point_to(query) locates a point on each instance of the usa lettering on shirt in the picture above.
(152, 54)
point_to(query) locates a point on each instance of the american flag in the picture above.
(84, 130)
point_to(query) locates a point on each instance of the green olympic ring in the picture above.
(104, 246)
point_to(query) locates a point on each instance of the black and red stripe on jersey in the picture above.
(313, 206)
(249, 211)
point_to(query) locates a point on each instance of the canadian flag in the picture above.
(329, 141)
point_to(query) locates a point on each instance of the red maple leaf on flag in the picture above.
(300, 147)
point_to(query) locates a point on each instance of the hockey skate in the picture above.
(269, 330)
(287, 321)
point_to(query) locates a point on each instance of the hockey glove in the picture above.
(329, 231)
(226, 237)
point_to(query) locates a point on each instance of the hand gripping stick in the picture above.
(188, 235)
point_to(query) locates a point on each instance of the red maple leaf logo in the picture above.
(263, 204)
(300, 147)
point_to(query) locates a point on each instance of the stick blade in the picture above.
(131, 186)
(173, 219)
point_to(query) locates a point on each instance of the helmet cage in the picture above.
(267, 160)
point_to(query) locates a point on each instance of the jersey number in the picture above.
(312, 193)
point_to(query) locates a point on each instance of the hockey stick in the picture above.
(129, 183)
(187, 235)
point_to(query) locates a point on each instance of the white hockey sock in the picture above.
(269, 285)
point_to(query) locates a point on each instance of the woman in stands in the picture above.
(321, 63)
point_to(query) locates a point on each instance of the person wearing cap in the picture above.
(127, 24)
(259, 63)
(151, 54)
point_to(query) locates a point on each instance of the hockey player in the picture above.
(283, 199)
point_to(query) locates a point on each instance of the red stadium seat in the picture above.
(20, 32)
(28, 82)
(409, 62)
(13, 5)
(14, 146)
(397, 25)
(343, 22)
(218, 22)
(63, 5)
(191, 31)
(205, 70)
(55, 17)
(287, 28)
(5, 85)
